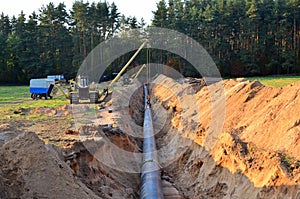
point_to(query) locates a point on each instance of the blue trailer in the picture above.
(40, 88)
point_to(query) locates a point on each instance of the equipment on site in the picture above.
(134, 76)
(56, 77)
(79, 90)
(83, 91)
(41, 88)
(125, 67)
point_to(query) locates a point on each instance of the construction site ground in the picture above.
(61, 151)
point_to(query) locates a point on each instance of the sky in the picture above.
(137, 8)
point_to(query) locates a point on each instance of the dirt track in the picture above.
(256, 156)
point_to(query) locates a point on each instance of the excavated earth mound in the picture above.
(256, 155)
(31, 169)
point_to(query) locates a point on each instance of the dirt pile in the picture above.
(31, 169)
(64, 110)
(264, 115)
(7, 132)
(257, 153)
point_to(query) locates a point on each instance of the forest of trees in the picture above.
(244, 37)
(54, 40)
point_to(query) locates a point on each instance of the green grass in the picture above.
(15, 97)
(50, 103)
(276, 81)
(13, 94)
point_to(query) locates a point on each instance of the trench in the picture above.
(188, 170)
(180, 175)
(103, 180)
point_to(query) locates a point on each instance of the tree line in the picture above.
(244, 37)
(54, 40)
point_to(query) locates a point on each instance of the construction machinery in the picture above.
(134, 76)
(41, 88)
(80, 90)
(57, 78)
(125, 67)
(45, 87)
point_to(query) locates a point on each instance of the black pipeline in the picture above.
(151, 178)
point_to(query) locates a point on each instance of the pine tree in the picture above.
(5, 30)
(160, 15)
(80, 23)
(56, 53)
(114, 19)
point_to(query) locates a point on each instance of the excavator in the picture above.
(81, 91)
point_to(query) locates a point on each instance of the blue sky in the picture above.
(138, 8)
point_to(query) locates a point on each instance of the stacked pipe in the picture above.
(151, 179)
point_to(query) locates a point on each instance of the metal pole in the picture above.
(128, 63)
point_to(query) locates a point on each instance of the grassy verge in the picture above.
(276, 81)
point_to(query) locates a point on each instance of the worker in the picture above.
(148, 101)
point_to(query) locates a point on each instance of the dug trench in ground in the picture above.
(238, 166)
(92, 167)
(131, 121)
(102, 165)
(106, 162)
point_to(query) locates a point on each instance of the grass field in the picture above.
(277, 81)
(13, 94)
(14, 97)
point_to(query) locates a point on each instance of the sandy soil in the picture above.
(256, 153)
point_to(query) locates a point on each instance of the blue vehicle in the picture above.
(56, 77)
(40, 88)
